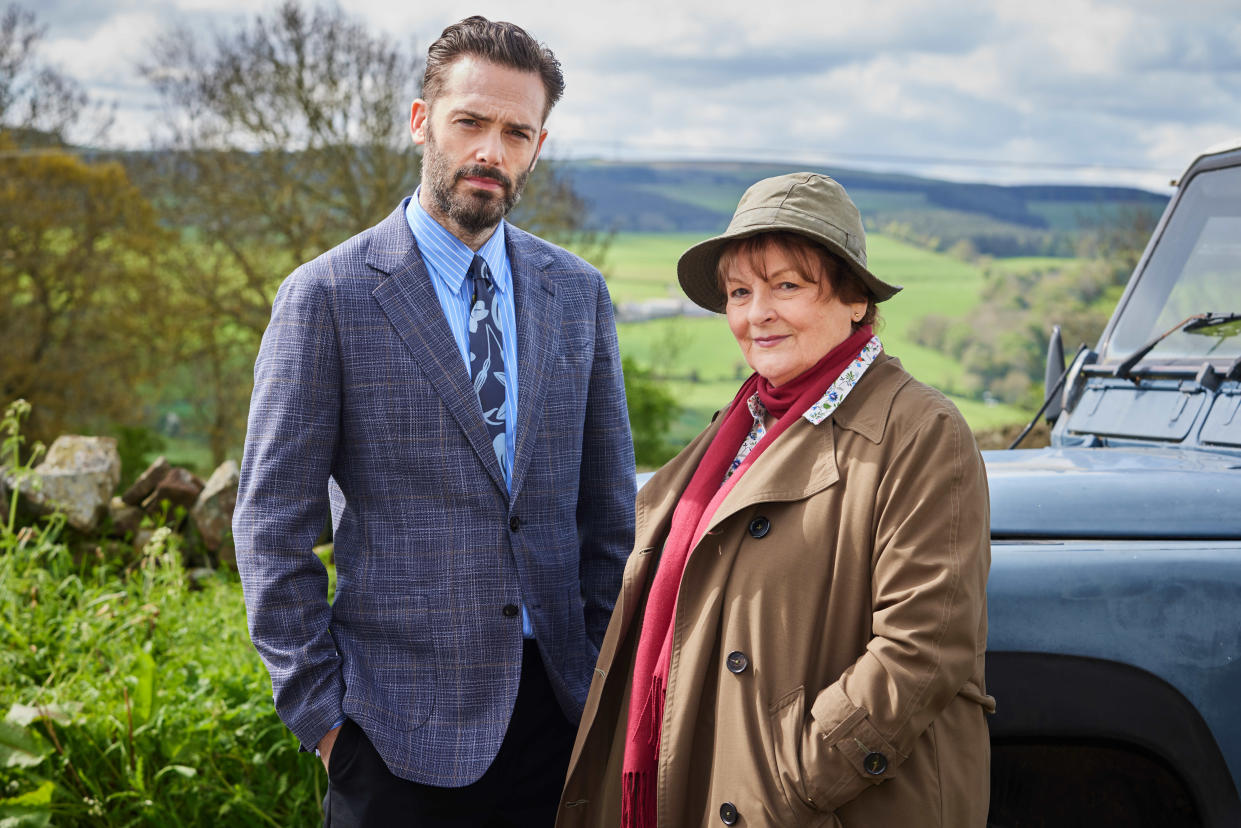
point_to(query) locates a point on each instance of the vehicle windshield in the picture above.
(1196, 268)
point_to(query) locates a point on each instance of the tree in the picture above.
(1118, 239)
(38, 104)
(76, 276)
(291, 132)
(77, 241)
(287, 135)
(1002, 343)
(652, 410)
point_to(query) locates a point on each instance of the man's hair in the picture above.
(502, 43)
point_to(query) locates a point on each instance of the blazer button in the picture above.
(759, 527)
(728, 813)
(737, 662)
(514, 523)
(510, 610)
(875, 763)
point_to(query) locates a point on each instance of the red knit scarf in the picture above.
(690, 521)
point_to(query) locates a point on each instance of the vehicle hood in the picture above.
(1114, 493)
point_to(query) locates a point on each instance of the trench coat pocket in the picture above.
(789, 727)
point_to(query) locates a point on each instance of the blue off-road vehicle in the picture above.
(1115, 593)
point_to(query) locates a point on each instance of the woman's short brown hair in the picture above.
(812, 260)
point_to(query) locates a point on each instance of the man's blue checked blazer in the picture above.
(359, 381)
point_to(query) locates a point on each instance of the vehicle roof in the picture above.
(1223, 148)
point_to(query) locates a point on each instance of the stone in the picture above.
(146, 482)
(213, 512)
(77, 477)
(125, 518)
(179, 487)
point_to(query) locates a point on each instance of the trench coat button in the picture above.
(728, 813)
(514, 523)
(510, 610)
(737, 662)
(759, 527)
(875, 763)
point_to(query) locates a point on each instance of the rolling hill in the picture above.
(699, 197)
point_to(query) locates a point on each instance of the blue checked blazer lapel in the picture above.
(409, 301)
(538, 341)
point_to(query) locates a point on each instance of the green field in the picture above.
(1028, 264)
(643, 266)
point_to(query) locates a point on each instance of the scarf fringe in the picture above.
(655, 707)
(637, 791)
(637, 801)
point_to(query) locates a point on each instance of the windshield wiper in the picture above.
(1211, 320)
(1190, 323)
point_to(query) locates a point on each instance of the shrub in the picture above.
(133, 697)
(651, 412)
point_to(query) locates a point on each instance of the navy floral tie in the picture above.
(487, 359)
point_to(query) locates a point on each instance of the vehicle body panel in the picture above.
(1170, 608)
(1116, 552)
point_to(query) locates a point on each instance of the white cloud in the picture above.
(1097, 83)
(108, 52)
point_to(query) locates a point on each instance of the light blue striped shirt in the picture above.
(448, 260)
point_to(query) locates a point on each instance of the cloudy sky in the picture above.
(1055, 91)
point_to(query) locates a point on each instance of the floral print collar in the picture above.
(820, 410)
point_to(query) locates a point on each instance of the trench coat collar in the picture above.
(800, 463)
(866, 409)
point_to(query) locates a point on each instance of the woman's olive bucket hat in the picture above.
(812, 205)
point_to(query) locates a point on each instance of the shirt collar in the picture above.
(447, 257)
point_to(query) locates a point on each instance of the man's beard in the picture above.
(476, 211)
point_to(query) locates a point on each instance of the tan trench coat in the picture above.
(827, 664)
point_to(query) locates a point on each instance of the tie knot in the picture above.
(479, 269)
(480, 278)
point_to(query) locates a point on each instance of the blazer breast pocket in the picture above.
(388, 651)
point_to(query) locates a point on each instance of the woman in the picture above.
(799, 637)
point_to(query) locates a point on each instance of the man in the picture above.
(457, 382)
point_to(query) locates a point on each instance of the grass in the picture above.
(1027, 264)
(133, 699)
(132, 694)
(707, 366)
(644, 265)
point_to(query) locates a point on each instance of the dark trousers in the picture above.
(521, 789)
